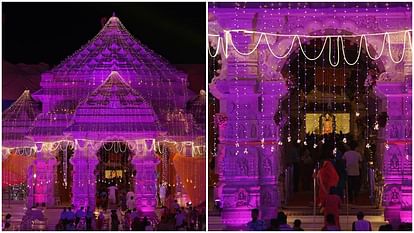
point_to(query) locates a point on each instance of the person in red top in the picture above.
(327, 177)
(332, 206)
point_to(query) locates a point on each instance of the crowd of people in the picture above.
(340, 167)
(280, 223)
(182, 218)
(175, 218)
(304, 157)
(123, 214)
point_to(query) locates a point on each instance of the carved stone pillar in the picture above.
(238, 154)
(41, 180)
(84, 162)
(395, 144)
(146, 180)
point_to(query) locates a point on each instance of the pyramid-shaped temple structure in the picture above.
(17, 120)
(113, 96)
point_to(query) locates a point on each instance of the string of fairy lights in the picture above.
(237, 102)
(110, 145)
(227, 42)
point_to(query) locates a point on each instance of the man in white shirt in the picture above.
(353, 160)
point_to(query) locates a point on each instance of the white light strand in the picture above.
(357, 90)
(334, 90)
(305, 105)
(288, 105)
(262, 98)
(367, 100)
(315, 121)
(227, 35)
(228, 41)
(298, 99)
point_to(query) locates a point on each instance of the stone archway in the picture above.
(297, 109)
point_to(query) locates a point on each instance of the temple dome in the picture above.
(115, 45)
(114, 48)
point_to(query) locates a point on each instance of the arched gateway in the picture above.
(252, 84)
(105, 113)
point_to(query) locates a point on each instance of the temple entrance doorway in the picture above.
(327, 111)
(114, 174)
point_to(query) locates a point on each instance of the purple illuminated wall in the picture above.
(249, 89)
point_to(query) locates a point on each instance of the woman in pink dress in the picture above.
(327, 177)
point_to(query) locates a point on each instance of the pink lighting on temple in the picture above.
(255, 46)
(112, 97)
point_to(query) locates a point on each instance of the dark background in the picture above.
(39, 35)
(49, 32)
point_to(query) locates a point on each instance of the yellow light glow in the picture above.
(342, 121)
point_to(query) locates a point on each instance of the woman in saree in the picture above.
(327, 177)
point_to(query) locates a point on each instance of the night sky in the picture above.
(49, 32)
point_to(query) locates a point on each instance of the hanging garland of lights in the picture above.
(227, 41)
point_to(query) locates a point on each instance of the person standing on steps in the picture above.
(352, 160)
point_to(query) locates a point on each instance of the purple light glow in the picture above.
(251, 87)
(113, 89)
